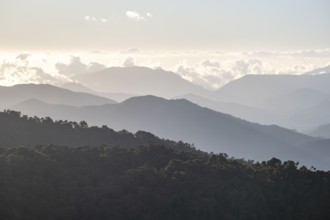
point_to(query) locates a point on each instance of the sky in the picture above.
(195, 39)
(157, 25)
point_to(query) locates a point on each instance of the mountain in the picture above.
(154, 182)
(322, 131)
(321, 70)
(77, 87)
(252, 90)
(301, 109)
(249, 113)
(182, 120)
(139, 80)
(12, 95)
(20, 130)
(298, 102)
(319, 147)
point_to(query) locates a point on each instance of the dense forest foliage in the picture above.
(154, 182)
(67, 170)
(20, 130)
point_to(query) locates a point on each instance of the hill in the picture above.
(153, 182)
(20, 130)
(77, 87)
(248, 113)
(183, 120)
(14, 94)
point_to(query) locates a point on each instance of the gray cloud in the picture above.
(130, 51)
(129, 62)
(23, 56)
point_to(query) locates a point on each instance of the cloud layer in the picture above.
(210, 69)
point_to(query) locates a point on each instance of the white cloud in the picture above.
(90, 18)
(134, 15)
(148, 14)
(95, 19)
(20, 71)
(76, 67)
(206, 68)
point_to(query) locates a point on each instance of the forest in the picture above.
(143, 178)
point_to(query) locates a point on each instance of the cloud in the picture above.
(149, 15)
(76, 67)
(19, 71)
(134, 15)
(90, 18)
(23, 56)
(322, 53)
(130, 51)
(95, 19)
(207, 73)
(129, 62)
(213, 74)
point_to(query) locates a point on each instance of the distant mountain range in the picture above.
(297, 101)
(77, 87)
(290, 101)
(139, 80)
(253, 90)
(249, 113)
(322, 131)
(183, 120)
(14, 94)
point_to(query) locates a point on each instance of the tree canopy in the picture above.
(154, 182)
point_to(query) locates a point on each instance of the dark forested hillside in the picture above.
(154, 182)
(21, 130)
(182, 120)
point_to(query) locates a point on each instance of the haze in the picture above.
(164, 25)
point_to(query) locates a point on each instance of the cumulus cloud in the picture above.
(129, 62)
(76, 67)
(95, 19)
(134, 15)
(213, 74)
(90, 18)
(207, 73)
(148, 14)
(19, 71)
